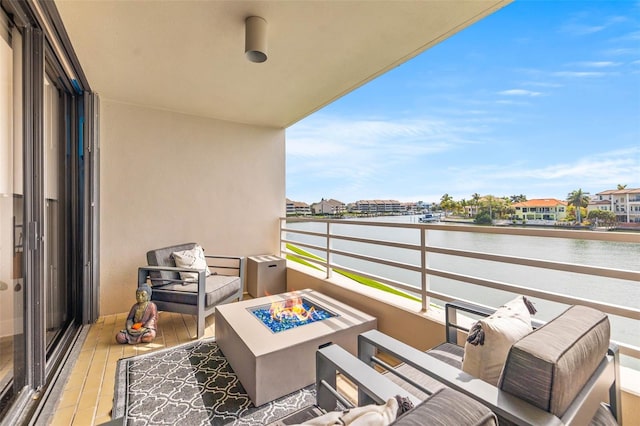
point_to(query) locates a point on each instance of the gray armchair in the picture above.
(565, 372)
(199, 298)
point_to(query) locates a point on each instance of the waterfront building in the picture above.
(410, 207)
(331, 206)
(379, 206)
(471, 210)
(297, 208)
(625, 203)
(541, 209)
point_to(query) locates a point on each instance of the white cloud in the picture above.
(632, 36)
(336, 137)
(600, 64)
(352, 158)
(543, 84)
(511, 102)
(594, 173)
(582, 29)
(578, 25)
(621, 51)
(519, 92)
(580, 74)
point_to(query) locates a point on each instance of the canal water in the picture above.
(591, 253)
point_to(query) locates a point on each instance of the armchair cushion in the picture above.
(491, 338)
(603, 417)
(549, 367)
(218, 287)
(192, 258)
(450, 353)
(444, 407)
(448, 407)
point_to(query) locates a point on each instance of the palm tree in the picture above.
(463, 204)
(578, 199)
(490, 204)
(622, 186)
(446, 203)
(475, 201)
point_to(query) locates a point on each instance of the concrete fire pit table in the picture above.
(273, 364)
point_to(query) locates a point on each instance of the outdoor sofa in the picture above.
(564, 372)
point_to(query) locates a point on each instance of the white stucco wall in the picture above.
(169, 178)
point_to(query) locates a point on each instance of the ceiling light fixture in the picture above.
(255, 42)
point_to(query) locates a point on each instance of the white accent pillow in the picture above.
(193, 258)
(510, 323)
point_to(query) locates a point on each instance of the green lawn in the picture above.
(358, 278)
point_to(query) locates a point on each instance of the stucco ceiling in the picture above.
(188, 56)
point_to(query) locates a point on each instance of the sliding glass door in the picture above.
(48, 203)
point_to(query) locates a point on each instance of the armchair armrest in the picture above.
(452, 325)
(233, 264)
(373, 388)
(169, 268)
(143, 273)
(228, 265)
(451, 317)
(503, 404)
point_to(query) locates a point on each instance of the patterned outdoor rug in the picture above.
(193, 384)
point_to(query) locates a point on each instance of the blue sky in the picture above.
(540, 98)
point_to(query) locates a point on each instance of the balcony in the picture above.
(142, 117)
(89, 390)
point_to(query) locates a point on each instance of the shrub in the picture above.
(483, 218)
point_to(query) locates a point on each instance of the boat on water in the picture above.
(429, 217)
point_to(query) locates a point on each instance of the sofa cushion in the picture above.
(450, 353)
(194, 259)
(447, 407)
(162, 257)
(491, 338)
(218, 287)
(603, 417)
(551, 365)
(446, 352)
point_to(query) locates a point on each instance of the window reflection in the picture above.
(12, 341)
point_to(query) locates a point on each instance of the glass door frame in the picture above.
(46, 49)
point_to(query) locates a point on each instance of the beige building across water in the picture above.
(625, 203)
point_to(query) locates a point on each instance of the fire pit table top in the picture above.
(259, 339)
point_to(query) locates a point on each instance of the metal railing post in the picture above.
(424, 265)
(329, 260)
(282, 223)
